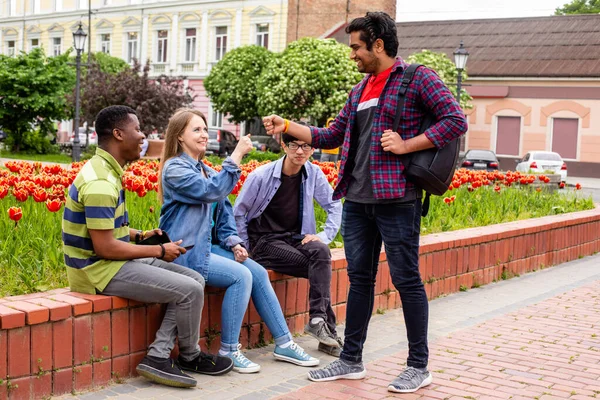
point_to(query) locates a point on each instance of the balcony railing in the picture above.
(187, 67)
(159, 68)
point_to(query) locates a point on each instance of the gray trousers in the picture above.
(152, 280)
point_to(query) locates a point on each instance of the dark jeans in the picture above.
(286, 254)
(363, 228)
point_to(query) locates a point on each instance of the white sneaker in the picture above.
(240, 363)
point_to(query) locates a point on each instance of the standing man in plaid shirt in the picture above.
(380, 203)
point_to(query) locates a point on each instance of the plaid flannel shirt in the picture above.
(426, 93)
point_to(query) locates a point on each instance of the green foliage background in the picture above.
(231, 83)
(579, 7)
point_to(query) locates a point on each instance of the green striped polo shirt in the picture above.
(96, 200)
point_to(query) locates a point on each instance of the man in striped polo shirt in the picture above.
(100, 257)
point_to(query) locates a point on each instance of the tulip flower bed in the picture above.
(32, 198)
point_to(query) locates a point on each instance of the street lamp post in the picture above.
(79, 42)
(460, 60)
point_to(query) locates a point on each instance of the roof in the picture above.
(556, 46)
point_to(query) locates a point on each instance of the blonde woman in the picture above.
(196, 209)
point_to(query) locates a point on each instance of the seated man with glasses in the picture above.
(275, 217)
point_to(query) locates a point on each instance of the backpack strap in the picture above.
(409, 73)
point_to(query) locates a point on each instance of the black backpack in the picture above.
(432, 169)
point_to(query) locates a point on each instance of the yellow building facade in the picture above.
(178, 37)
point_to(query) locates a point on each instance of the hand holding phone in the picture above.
(187, 248)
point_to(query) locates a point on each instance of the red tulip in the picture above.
(40, 195)
(3, 191)
(15, 214)
(577, 186)
(497, 189)
(562, 185)
(53, 205)
(20, 194)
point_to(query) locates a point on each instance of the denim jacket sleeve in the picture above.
(243, 203)
(227, 234)
(191, 187)
(323, 195)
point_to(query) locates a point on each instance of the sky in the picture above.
(429, 10)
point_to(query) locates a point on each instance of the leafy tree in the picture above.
(311, 78)
(231, 84)
(579, 7)
(154, 99)
(445, 69)
(106, 62)
(33, 90)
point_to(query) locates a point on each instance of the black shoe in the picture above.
(207, 364)
(165, 371)
(333, 350)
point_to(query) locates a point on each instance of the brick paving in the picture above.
(532, 337)
(550, 350)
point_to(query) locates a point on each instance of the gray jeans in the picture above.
(155, 281)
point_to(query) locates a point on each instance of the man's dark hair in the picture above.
(110, 118)
(285, 138)
(376, 25)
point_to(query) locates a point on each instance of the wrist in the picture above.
(162, 251)
(139, 236)
(286, 125)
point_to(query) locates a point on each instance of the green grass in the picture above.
(51, 158)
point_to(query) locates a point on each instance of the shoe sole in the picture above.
(352, 376)
(163, 378)
(213, 373)
(251, 370)
(328, 342)
(310, 363)
(331, 350)
(426, 382)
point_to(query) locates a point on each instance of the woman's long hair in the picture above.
(177, 126)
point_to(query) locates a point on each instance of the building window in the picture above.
(56, 46)
(132, 46)
(262, 35)
(220, 42)
(190, 45)
(10, 47)
(216, 120)
(564, 137)
(162, 38)
(34, 44)
(508, 136)
(105, 43)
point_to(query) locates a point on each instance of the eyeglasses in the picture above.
(294, 146)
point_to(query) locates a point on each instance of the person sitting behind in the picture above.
(275, 217)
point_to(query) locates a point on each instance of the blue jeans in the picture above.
(363, 228)
(242, 281)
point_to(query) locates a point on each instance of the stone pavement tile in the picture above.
(482, 361)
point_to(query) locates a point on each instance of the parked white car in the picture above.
(543, 162)
(92, 134)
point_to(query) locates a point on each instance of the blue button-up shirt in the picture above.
(262, 184)
(187, 203)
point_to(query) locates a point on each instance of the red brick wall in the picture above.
(57, 341)
(315, 17)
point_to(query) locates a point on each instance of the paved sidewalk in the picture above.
(532, 337)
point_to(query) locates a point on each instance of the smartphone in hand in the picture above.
(188, 248)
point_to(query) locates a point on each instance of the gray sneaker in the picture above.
(333, 350)
(321, 332)
(338, 370)
(410, 380)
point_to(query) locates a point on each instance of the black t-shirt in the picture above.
(282, 213)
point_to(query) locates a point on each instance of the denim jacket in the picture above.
(262, 184)
(187, 203)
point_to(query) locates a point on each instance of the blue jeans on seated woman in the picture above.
(243, 280)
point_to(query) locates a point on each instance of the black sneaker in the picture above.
(207, 364)
(165, 371)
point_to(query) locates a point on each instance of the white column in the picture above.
(36, 6)
(3, 48)
(20, 45)
(204, 48)
(144, 35)
(238, 27)
(174, 45)
(58, 5)
(13, 8)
